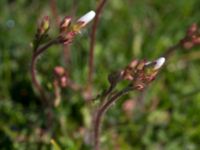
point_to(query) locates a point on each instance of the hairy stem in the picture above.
(102, 110)
(93, 39)
(170, 50)
(33, 69)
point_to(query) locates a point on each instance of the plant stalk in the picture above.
(33, 69)
(92, 41)
(102, 110)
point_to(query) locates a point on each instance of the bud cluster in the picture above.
(69, 30)
(61, 76)
(192, 37)
(139, 72)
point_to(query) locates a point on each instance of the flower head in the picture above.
(141, 72)
(159, 63)
(68, 31)
(85, 19)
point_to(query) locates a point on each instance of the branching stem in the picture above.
(36, 83)
(102, 110)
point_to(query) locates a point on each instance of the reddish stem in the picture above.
(92, 41)
(100, 113)
(33, 69)
(170, 50)
(54, 11)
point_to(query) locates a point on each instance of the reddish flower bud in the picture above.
(192, 29)
(44, 26)
(61, 76)
(65, 23)
(141, 65)
(196, 40)
(59, 71)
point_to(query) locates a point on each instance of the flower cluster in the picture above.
(192, 37)
(68, 31)
(139, 72)
(62, 77)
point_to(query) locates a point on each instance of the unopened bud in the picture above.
(141, 65)
(196, 40)
(61, 76)
(63, 81)
(44, 26)
(65, 23)
(67, 38)
(192, 29)
(59, 71)
(133, 64)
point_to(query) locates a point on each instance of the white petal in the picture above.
(159, 63)
(87, 17)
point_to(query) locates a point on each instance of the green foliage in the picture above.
(167, 118)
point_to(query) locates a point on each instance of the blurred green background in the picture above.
(167, 118)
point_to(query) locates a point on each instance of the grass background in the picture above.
(127, 29)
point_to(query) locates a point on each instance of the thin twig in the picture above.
(170, 50)
(54, 11)
(67, 48)
(101, 111)
(33, 69)
(92, 41)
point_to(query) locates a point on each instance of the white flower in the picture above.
(87, 17)
(159, 62)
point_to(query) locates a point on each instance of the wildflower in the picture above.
(141, 73)
(159, 63)
(68, 32)
(83, 21)
(87, 18)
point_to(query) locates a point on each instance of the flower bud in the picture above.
(61, 76)
(59, 71)
(65, 23)
(140, 65)
(44, 26)
(192, 29)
